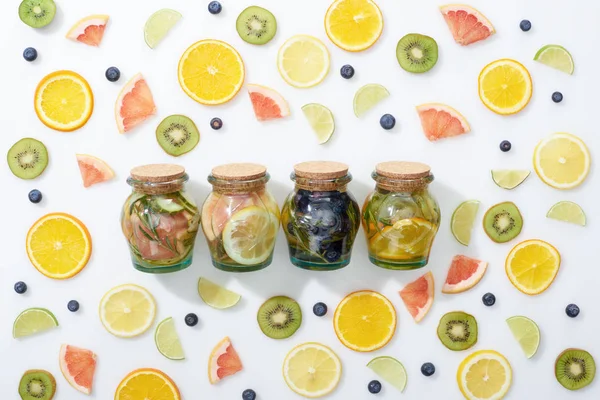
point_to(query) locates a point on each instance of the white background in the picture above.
(461, 166)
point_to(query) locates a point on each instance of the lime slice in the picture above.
(463, 219)
(32, 321)
(526, 332)
(509, 178)
(217, 296)
(367, 97)
(158, 25)
(167, 341)
(556, 56)
(321, 120)
(390, 370)
(567, 211)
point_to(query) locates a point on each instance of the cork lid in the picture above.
(157, 173)
(321, 170)
(402, 170)
(239, 172)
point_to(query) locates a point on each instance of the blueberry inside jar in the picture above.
(320, 217)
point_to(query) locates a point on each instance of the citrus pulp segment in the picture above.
(484, 375)
(78, 367)
(167, 341)
(249, 235)
(418, 296)
(217, 296)
(466, 24)
(505, 86)
(532, 266)
(32, 321)
(147, 384)
(440, 121)
(567, 211)
(312, 370)
(367, 97)
(526, 332)
(464, 273)
(321, 121)
(404, 240)
(127, 310)
(267, 103)
(158, 25)
(509, 178)
(93, 170)
(557, 57)
(134, 105)
(353, 25)
(303, 61)
(562, 160)
(89, 30)
(463, 219)
(224, 361)
(390, 370)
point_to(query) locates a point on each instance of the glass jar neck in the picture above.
(321, 185)
(147, 187)
(388, 184)
(225, 186)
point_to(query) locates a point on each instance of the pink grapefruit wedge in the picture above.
(440, 121)
(267, 103)
(464, 273)
(78, 366)
(418, 296)
(134, 105)
(93, 170)
(466, 24)
(89, 30)
(224, 361)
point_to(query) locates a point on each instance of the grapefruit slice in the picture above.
(217, 210)
(224, 361)
(440, 121)
(466, 24)
(78, 366)
(418, 296)
(267, 103)
(134, 105)
(89, 30)
(93, 170)
(464, 273)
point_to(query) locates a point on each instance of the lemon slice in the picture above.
(147, 384)
(484, 375)
(303, 61)
(249, 235)
(217, 296)
(463, 220)
(405, 239)
(390, 370)
(557, 57)
(505, 86)
(167, 341)
(127, 310)
(562, 161)
(312, 370)
(321, 120)
(158, 25)
(353, 25)
(532, 266)
(32, 321)
(509, 178)
(526, 332)
(368, 97)
(567, 211)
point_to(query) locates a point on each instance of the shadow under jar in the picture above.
(159, 220)
(240, 218)
(320, 217)
(400, 217)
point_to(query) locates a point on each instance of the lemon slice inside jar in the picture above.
(249, 235)
(407, 238)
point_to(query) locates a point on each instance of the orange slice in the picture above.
(464, 273)
(147, 384)
(223, 362)
(418, 296)
(466, 24)
(134, 105)
(505, 86)
(93, 170)
(78, 366)
(440, 121)
(89, 30)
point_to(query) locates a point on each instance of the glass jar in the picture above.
(320, 217)
(240, 218)
(159, 220)
(400, 217)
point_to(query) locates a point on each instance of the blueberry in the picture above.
(332, 255)
(214, 7)
(248, 394)
(35, 196)
(374, 387)
(428, 369)
(488, 299)
(320, 309)
(505, 146)
(30, 54)
(20, 287)
(113, 74)
(557, 97)
(572, 310)
(73, 305)
(387, 121)
(525, 25)
(347, 71)
(216, 123)
(191, 319)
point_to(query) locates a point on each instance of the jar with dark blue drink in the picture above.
(320, 217)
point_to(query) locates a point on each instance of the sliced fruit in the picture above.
(567, 211)
(466, 24)
(509, 178)
(418, 296)
(64, 101)
(390, 370)
(249, 235)
(279, 317)
(217, 209)
(440, 121)
(575, 369)
(365, 321)
(89, 30)
(158, 25)
(463, 219)
(368, 97)
(505, 86)
(503, 222)
(27, 158)
(147, 384)
(458, 330)
(127, 310)
(312, 370)
(256, 25)
(177, 135)
(78, 366)
(223, 362)
(417, 53)
(59, 245)
(93, 170)
(303, 61)
(484, 375)
(464, 273)
(526, 332)
(211, 61)
(167, 340)
(217, 296)
(405, 239)
(37, 13)
(267, 103)
(134, 105)
(37, 384)
(321, 121)
(353, 25)
(32, 321)
(557, 57)
(562, 161)
(532, 266)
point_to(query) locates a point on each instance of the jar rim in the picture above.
(164, 187)
(402, 184)
(240, 184)
(321, 184)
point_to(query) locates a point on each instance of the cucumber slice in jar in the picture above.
(187, 202)
(167, 205)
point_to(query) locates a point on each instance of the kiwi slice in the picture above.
(256, 25)
(417, 53)
(575, 369)
(27, 158)
(37, 13)
(279, 317)
(503, 222)
(37, 384)
(177, 135)
(458, 330)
